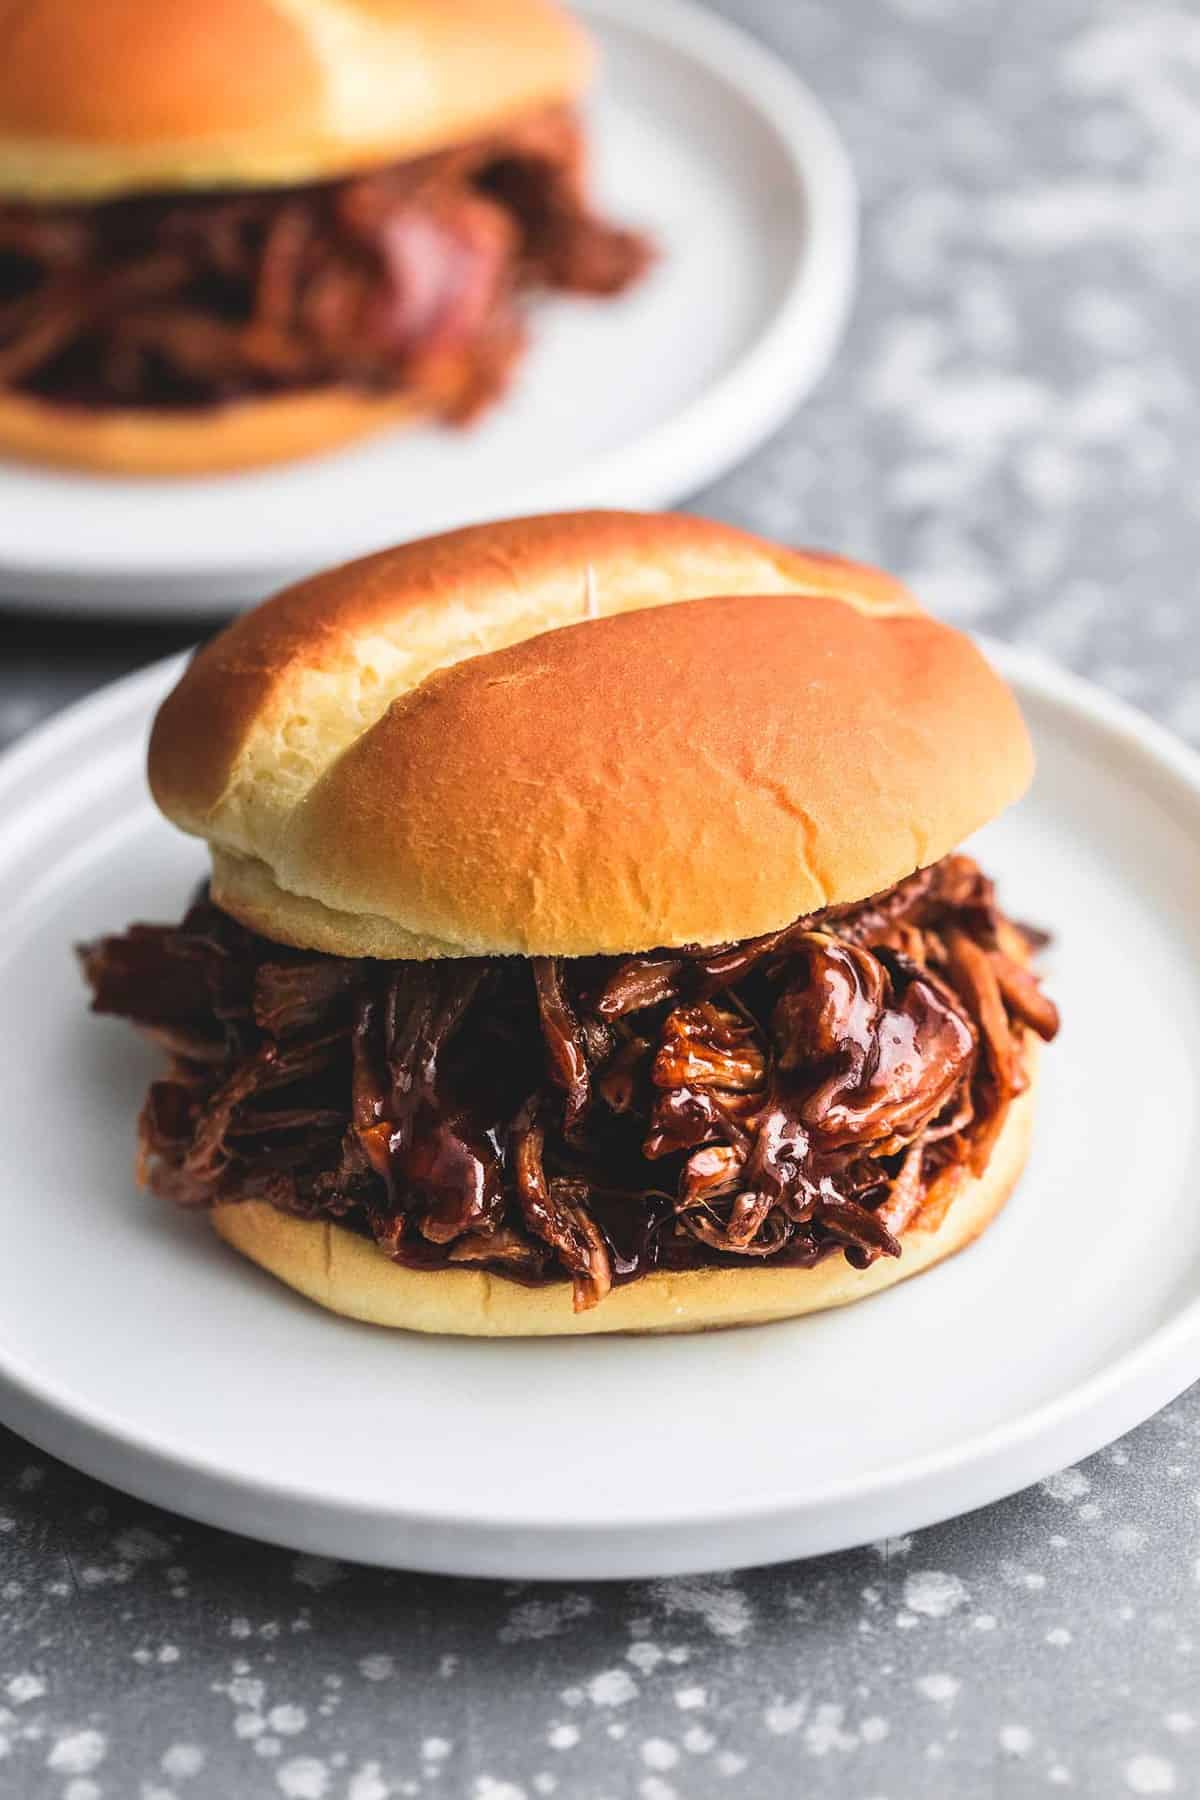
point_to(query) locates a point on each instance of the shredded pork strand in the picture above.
(408, 276)
(810, 1092)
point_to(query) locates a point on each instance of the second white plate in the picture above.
(135, 1345)
(703, 139)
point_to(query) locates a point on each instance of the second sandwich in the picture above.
(240, 233)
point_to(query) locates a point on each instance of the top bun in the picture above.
(591, 733)
(121, 96)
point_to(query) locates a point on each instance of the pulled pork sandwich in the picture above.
(587, 946)
(233, 234)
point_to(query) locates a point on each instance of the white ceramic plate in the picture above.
(134, 1345)
(702, 138)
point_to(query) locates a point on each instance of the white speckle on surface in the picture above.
(1058, 1635)
(1059, 1774)
(617, 1729)
(141, 1545)
(888, 1549)
(572, 1696)
(1067, 1486)
(730, 1762)
(612, 1687)
(367, 1783)
(303, 1778)
(247, 1690)
(938, 1687)
(77, 1752)
(698, 1740)
(721, 1606)
(24, 1687)
(563, 1737)
(783, 1717)
(932, 1594)
(287, 1720)
(435, 1749)
(691, 1699)
(658, 1753)
(1050, 476)
(167, 1653)
(249, 1725)
(1016, 1740)
(825, 1733)
(644, 1656)
(317, 1572)
(94, 1575)
(873, 1729)
(544, 1782)
(376, 1667)
(488, 1788)
(182, 1761)
(1149, 1775)
(653, 1787)
(82, 1788)
(1180, 1723)
(534, 1619)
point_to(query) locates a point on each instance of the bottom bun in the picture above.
(242, 434)
(347, 1274)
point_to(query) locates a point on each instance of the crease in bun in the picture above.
(510, 739)
(247, 750)
(266, 708)
(693, 774)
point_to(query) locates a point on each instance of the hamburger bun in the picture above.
(347, 1274)
(117, 96)
(586, 734)
(210, 440)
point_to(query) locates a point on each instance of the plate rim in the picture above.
(704, 438)
(980, 1468)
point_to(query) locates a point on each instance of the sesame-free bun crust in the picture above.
(120, 96)
(579, 734)
(347, 1274)
(210, 440)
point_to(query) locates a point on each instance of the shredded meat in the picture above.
(817, 1090)
(409, 276)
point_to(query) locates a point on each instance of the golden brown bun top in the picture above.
(579, 734)
(107, 97)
